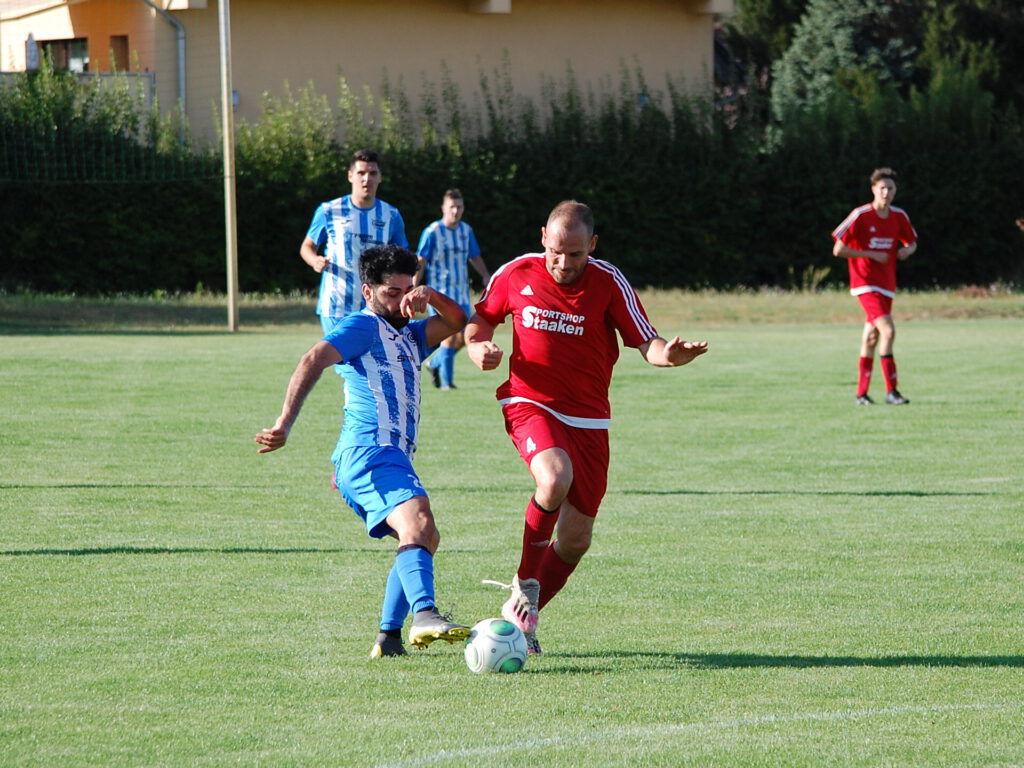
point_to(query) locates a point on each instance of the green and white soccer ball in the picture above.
(495, 645)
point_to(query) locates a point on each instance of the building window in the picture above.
(119, 53)
(70, 55)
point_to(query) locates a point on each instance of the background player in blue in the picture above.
(380, 351)
(446, 246)
(344, 228)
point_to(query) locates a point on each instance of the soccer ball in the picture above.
(495, 645)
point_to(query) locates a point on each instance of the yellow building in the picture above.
(173, 44)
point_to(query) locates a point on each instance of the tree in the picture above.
(841, 41)
(983, 36)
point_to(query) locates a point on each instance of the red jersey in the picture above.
(865, 230)
(563, 336)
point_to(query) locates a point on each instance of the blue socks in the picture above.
(396, 607)
(444, 361)
(414, 567)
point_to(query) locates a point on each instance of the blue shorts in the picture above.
(374, 480)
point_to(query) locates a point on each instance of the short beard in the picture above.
(398, 321)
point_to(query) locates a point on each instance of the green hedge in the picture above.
(685, 194)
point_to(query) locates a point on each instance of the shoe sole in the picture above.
(424, 637)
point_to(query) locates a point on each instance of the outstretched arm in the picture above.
(479, 345)
(669, 354)
(306, 375)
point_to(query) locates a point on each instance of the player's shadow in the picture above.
(619, 661)
(129, 550)
(691, 492)
(105, 486)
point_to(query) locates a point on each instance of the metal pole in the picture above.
(228, 128)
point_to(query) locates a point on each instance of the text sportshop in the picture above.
(551, 320)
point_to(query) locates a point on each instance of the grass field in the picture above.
(778, 578)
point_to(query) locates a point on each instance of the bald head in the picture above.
(570, 214)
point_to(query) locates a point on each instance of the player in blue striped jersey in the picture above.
(446, 247)
(344, 228)
(379, 351)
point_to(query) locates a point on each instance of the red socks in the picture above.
(554, 572)
(540, 524)
(889, 372)
(864, 377)
(539, 559)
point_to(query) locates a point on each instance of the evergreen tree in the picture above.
(760, 31)
(841, 41)
(983, 36)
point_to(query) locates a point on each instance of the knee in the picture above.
(553, 483)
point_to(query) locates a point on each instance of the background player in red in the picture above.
(566, 307)
(872, 238)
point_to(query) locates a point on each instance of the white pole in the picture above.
(228, 128)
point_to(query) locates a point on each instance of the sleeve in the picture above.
(398, 229)
(628, 314)
(425, 249)
(907, 232)
(844, 231)
(493, 305)
(474, 247)
(352, 336)
(317, 231)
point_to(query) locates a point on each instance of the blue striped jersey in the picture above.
(381, 368)
(447, 252)
(347, 231)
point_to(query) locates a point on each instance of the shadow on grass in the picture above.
(182, 551)
(690, 492)
(140, 316)
(617, 661)
(513, 488)
(51, 486)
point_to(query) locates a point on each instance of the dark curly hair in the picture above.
(382, 260)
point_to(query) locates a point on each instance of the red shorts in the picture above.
(875, 305)
(533, 430)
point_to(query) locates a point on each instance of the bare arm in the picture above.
(421, 271)
(669, 354)
(450, 317)
(308, 252)
(479, 345)
(843, 251)
(306, 375)
(906, 251)
(481, 269)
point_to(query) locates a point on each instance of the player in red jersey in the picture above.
(566, 309)
(872, 238)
